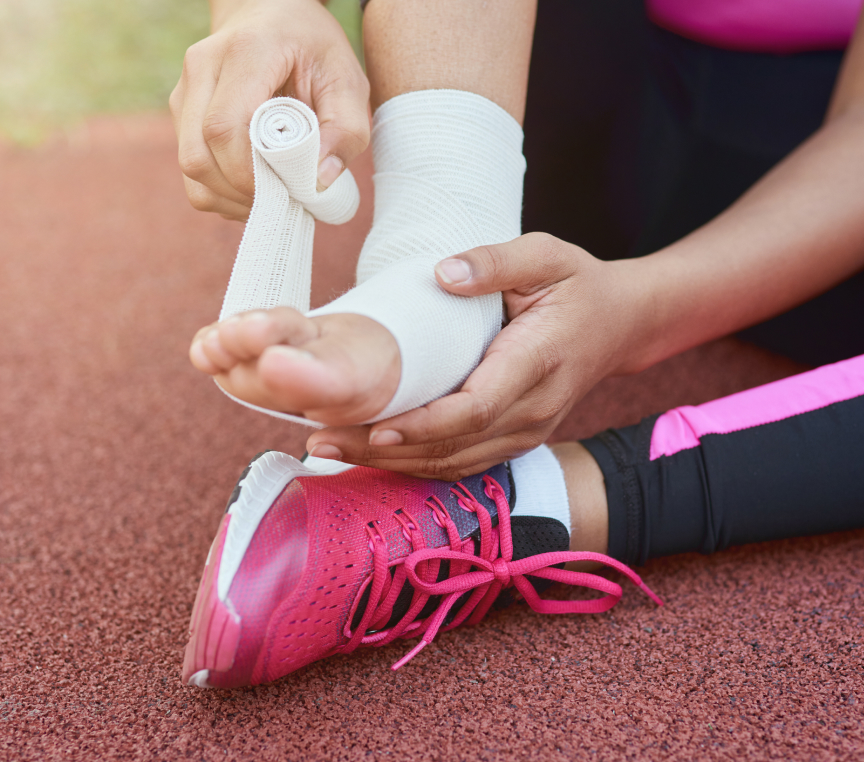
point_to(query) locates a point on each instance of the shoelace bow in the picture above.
(494, 571)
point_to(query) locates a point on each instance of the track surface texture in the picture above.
(116, 459)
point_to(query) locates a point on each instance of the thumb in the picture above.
(525, 264)
(343, 118)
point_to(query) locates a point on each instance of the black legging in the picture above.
(781, 460)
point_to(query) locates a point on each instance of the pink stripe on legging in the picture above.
(680, 428)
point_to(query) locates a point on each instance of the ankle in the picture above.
(586, 491)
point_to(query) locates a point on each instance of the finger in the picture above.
(538, 411)
(527, 264)
(236, 96)
(508, 371)
(190, 102)
(471, 460)
(362, 445)
(204, 199)
(350, 443)
(343, 117)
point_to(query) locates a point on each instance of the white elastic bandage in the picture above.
(449, 171)
(274, 263)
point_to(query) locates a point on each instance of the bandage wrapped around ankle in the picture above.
(449, 171)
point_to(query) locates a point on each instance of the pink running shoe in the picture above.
(305, 566)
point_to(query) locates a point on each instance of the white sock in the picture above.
(449, 171)
(540, 486)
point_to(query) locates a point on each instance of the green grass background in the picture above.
(64, 60)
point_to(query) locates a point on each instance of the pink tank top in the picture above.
(766, 26)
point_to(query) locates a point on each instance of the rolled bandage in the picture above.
(274, 263)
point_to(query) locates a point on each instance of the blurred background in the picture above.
(64, 60)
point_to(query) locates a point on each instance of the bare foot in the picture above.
(336, 369)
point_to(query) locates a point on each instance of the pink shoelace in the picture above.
(494, 571)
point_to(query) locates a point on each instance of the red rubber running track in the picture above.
(116, 459)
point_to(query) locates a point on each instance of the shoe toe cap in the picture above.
(243, 586)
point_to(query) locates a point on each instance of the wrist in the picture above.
(223, 11)
(634, 344)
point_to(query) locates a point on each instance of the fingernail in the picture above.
(385, 438)
(211, 337)
(329, 170)
(454, 270)
(290, 353)
(255, 315)
(326, 451)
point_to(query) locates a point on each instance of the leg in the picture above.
(778, 461)
(351, 369)
(772, 462)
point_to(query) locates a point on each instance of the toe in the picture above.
(281, 325)
(197, 355)
(248, 335)
(348, 373)
(232, 334)
(212, 349)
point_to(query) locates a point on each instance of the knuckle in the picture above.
(437, 467)
(543, 244)
(357, 128)
(194, 162)
(243, 43)
(175, 100)
(457, 474)
(495, 263)
(544, 418)
(218, 128)
(483, 414)
(444, 449)
(550, 357)
(551, 253)
(197, 58)
(525, 442)
(201, 198)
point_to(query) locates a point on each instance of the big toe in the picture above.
(346, 374)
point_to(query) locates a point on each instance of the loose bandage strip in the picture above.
(449, 170)
(274, 263)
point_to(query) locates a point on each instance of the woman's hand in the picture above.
(572, 322)
(258, 49)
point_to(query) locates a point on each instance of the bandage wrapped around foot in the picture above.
(449, 171)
